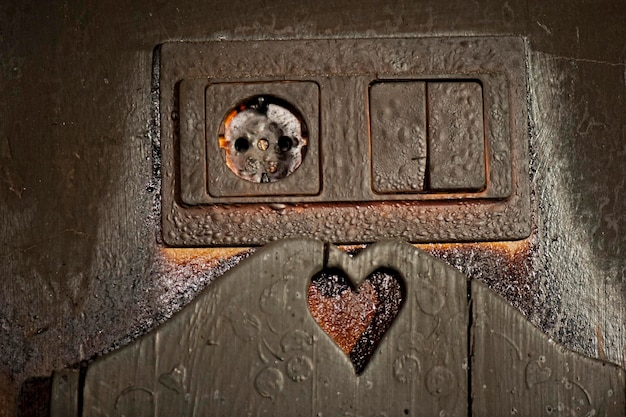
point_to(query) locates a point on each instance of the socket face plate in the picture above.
(423, 139)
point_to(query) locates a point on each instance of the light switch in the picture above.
(456, 138)
(398, 135)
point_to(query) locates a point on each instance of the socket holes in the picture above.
(242, 144)
(285, 143)
(263, 139)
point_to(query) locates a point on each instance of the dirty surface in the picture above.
(81, 261)
(355, 318)
(285, 364)
(464, 205)
(261, 349)
(263, 140)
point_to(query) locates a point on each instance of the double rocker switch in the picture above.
(427, 136)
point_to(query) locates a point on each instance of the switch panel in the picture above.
(348, 141)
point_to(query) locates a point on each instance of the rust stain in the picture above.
(505, 267)
(223, 143)
(352, 249)
(186, 269)
(356, 319)
(209, 257)
(510, 248)
(600, 338)
(514, 253)
(185, 272)
(344, 317)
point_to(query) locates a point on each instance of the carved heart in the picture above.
(537, 372)
(355, 319)
(342, 313)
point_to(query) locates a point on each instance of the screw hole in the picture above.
(242, 144)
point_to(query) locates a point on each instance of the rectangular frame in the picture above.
(344, 69)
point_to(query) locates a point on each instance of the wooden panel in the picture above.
(248, 344)
(65, 393)
(518, 370)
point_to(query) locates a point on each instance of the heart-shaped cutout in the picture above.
(356, 319)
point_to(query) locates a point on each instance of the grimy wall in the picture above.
(82, 267)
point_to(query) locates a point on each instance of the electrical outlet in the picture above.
(257, 139)
(345, 140)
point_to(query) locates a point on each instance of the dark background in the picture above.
(81, 269)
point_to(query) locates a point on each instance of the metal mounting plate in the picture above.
(424, 139)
